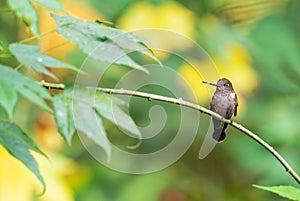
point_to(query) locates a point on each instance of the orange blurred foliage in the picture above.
(78, 9)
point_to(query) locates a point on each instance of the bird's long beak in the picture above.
(210, 83)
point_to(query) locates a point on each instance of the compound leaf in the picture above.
(18, 144)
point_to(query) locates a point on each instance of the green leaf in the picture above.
(26, 11)
(83, 109)
(88, 121)
(110, 43)
(289, 192)
(14, 82)
(75, 110)
(51, 4)
(109, 109)
(110, 52)
(63, 113)
(9, 99)
(30, 56)
(18, 144)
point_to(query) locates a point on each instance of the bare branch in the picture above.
(48, 85)
(180, 101)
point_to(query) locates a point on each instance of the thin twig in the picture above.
(180, 101)
(57, 86)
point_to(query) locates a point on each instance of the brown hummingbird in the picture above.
(224, 102)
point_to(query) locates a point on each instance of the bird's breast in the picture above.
(224, 104)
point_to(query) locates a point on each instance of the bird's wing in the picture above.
(236, 105)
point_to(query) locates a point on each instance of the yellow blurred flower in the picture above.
(18, 183)
(236, 66)
(169, 15)
(55, 169)
(195, 74)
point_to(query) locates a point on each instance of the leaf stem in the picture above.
(55, 46)
(180, 101)
(18, 67)
(36, 36)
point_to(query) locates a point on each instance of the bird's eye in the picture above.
(226, 85)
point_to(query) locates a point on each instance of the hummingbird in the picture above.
(225, 103)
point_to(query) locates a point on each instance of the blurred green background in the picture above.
(253, 43)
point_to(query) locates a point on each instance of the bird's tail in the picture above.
(219, 135)
(219, 130)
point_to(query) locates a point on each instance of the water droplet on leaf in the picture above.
(59, 113)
